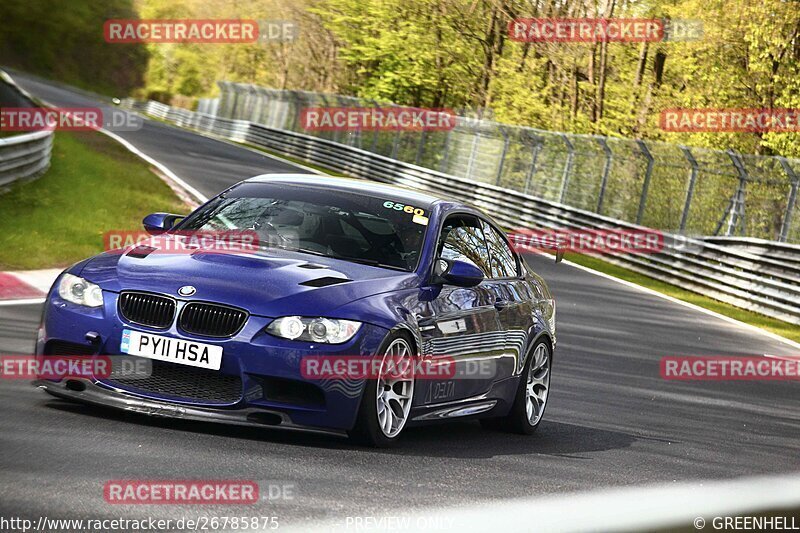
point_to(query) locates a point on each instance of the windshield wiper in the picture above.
(360, 260)
(365, 261)
(306, 251)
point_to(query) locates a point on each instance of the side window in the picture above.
(462, 239)
(503, 263)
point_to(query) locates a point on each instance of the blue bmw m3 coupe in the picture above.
(343, 269)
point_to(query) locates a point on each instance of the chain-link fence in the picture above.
(665, 186)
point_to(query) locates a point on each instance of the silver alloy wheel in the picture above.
(538, 384)
(395, 387)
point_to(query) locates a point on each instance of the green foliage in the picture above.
(446, 53)
(64, 41)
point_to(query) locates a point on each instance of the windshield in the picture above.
(340, 224)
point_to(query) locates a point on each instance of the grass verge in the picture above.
(784, 329)
(94, 185)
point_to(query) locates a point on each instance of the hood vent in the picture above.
(311, 266)
(141, 251)
(324, 282)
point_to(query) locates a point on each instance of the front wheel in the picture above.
(531, 397)
(386, 403)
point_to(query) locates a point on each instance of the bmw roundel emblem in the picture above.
(187, 290)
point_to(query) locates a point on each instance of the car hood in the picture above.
(266, 285)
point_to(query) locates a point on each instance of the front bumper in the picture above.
(254, 357)
(91, 392)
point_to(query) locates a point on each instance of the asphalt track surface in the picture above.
(611, 419)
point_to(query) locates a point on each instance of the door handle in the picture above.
(501, 304)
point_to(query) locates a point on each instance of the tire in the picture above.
(530, 399)
(386, 402)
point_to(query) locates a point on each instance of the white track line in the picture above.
(26, 301)
(792, 358)
(40, 280)
(131, 148)
(683, 506)
(674, 300)
(200, 197)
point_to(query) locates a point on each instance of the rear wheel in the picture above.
(386, 403)
(531, 396)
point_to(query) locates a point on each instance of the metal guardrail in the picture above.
(26, 155)
(666, 186)
(755, 281)
(787, 253)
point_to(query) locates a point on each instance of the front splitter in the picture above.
(89, 392)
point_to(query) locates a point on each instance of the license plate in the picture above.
(170, 349)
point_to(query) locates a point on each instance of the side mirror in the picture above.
(458, 273)
(156, 223)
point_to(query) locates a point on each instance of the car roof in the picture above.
(349, 184)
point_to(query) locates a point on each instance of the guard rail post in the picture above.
(647, 176)
(690, 188)
(792, 200)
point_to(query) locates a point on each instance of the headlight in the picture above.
(79, 291)
(326, 330)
